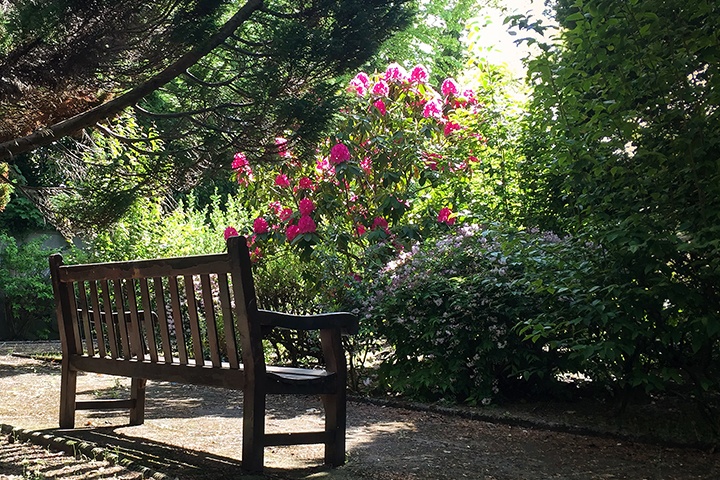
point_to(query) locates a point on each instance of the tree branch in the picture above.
(48, 135)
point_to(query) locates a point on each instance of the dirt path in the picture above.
(195, 433)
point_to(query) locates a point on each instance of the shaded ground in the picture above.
(195, 433)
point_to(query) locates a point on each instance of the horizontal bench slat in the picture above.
(194, 265)
(109, 404)
(301, 438)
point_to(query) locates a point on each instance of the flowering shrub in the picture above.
(398, 167)
(449, 310)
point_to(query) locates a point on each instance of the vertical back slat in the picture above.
(226, 306)
(210, 321)
(121, 320)
(97, 319)
(109, 323)
(74, 315)
(85, 318)
(148, 320)
(177, 319)
(135, 335)
(194, 321)
(162, 319)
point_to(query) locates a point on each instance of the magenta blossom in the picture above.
(243, 171)
(339, 154)
(291, 232)
(360, 84)
(433, 108)
(395, 73)
(239, 161)
(449, 87)
(306, 206)
(306, 184)
(360, 229)
(366, 165)
(381, 89)
(282, 180)
(306, 224)
(281, 144)
(230, 232)
(451, 127)
(275, 207)
(285, 214)
(380, 222)
(419, 74)
(446, 216)
(380, 105)
(260, 226)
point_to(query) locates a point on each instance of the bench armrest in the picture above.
(346, 322)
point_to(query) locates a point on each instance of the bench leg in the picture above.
(253, 448)
(137, 393)
(335, 426)
(68, 386)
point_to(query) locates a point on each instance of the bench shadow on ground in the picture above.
(171, 400)
(11, 370)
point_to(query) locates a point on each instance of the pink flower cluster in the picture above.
(243, 171)
(446, 216)
(339, 154)
(394, 74)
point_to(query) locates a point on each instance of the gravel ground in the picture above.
(195, 433)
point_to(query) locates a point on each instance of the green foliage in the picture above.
(5, 186)
(148, 232)
(25, 290)
(20, 217)
(448, 310)
(622, 152)
(433, 39)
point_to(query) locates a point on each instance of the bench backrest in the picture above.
(196, 310)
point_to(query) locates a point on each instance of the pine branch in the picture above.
(50, 134)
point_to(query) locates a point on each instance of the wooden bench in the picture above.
(193, 320)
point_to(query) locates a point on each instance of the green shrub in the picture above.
(25, 290)
(448, 311)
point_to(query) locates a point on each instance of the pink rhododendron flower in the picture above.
(281, 144)
(366, 165)
(395, 73)
(379, 222)
(360, 84)
(239, 161)
(306, 224)
(339, 154)
(419, 74)
(360, 229)
(431, 160)
(282, 180)
(323, 166)
(230, 232)
(306, 184)
(291, 232)
(473, 158)
(433, 108)
(446, 216)
(306, 206)
(285, 214)
(380, 105)
(469, 95)
(255, 255)
(451, 127)
(275, 207)
(381, 89)
(260, 226)
(449, 87)
(243, 171)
